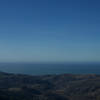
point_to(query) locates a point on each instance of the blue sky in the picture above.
(49, 31)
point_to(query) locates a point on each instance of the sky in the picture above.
(49, 30)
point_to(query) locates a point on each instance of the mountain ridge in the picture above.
(49, 87)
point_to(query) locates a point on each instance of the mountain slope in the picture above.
(49, 87)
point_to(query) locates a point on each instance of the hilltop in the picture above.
(49, 87)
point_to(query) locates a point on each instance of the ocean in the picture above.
(50, 68)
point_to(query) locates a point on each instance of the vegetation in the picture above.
(49, 87)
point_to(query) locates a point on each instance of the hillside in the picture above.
(49, 87)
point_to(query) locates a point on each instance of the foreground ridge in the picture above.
(49, 87)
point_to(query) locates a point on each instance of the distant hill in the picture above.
(49, 87)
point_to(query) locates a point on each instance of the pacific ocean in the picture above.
(50, 68)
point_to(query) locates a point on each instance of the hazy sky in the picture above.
(49, 30)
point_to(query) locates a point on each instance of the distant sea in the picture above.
(50, 68)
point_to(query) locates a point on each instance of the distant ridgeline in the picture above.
(49, 87)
